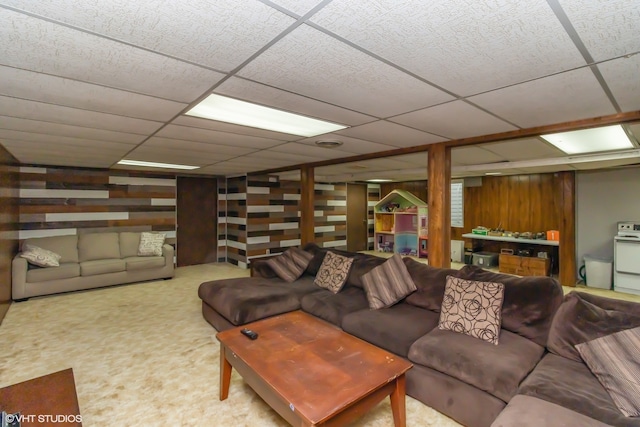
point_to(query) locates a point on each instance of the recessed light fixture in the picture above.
(594, 140)
(155, 165)
(329, 143)
(229, 110)
(493, 173)
(379, 180)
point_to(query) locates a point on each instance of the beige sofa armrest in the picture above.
(168, 253)
(18, 278)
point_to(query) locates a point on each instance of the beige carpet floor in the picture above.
(142, 355)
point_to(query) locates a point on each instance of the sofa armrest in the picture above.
(260, 268)
(19, 268)
(168, 253)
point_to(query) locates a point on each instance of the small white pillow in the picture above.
(40, 257)
(151, 244)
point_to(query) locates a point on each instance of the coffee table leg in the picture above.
(225, 374)
(398, 403)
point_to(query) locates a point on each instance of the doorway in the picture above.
(197, 220)
(357, 218)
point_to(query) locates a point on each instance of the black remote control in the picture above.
(249, 333)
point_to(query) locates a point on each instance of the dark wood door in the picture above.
(357, 226)
(197, 237)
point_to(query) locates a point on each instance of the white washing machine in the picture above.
(626, 258)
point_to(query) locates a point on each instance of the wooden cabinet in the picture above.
(400, 219)
(524, 266)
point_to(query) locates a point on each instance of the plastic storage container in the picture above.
(598, 272)
(485, 259)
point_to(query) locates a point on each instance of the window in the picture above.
(457, 204)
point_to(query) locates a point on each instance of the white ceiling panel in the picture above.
(215, 137)
(573, 95)
(72, 93)
(608, 28)
(82, 56)
(392, 134)
(200, 123)
(199, 147)
(606, 164)
(623, 78)
(472, 155)
(437, 120)
(317, 153)
(48, 128)
(218, 34)
(333, 72)
(64, 142)
(277, 157)
(287, 101)
(524, 38)
(350, 146)
(299, 7)
(523, 149)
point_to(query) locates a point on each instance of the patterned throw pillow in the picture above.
(291, 264)
(388, 283)
(40, 257)
(333, 272)
(472, 308)
(613, 359)
(151, 244)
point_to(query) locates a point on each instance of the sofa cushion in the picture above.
(129, 242)
(97, 246)
(333, 272)
(472, 308)
(394, 328)
(102, 266)
(40, 257)
(572, 385)
(613, 360)
(151, 243)
(388, 283)
(290, 264)
(430, 283)
(246, 299)
(64, 271)
(143, 262)
(65, 246)
(529, 302)
(333, 307)
(496, 369)
(583, 317)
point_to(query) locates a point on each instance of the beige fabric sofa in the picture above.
(88, 261)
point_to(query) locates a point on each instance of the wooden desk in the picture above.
(50, 400)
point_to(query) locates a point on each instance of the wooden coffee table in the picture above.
(311, 372)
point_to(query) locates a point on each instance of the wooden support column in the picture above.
(307, 191)
(439, 201)
(567, 250)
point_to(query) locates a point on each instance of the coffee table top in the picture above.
(312, 365)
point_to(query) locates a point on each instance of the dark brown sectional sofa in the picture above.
(470, 380)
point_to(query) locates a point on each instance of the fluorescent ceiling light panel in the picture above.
(155, 165)
(229, 110)
(591, 140)
(378, 180)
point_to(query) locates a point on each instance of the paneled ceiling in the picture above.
(86, 83)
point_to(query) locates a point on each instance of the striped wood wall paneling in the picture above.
(59, 201)
(373, 197)
(236, 221)
(222, 220)
(9, 203)
(330, 213)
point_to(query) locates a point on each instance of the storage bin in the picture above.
(598, 272)
(485, 259)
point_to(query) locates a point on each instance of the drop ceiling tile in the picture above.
(393, 134)
(316, 65)
(473, 155)
(287, 101)
(299, 7)
(622, 77)
(199, 147)
(282, 159)
(72, 93)
(71, 116)
(34, 126)
(215, 137)
(350, 146)
(64, 142)
(523, 149)
(471, 121)
(90, 58)
(456, 44)
(316, 153)
(613, 32)
(564, 97)
(606, 164)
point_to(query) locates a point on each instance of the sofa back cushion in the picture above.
(584, 317)
(430, 283)
(529, 302)
(65, 246)
(94, 246)
(129, 242)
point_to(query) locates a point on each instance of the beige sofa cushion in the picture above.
(98, 246)
(144, 262)
(129, 242)
(101, 266)
(65, 246)
(64, 271)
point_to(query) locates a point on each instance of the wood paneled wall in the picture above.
(222, 220)
(235, 219)
(9, 215)
(373, 197)
(330, 213)
(417, 188)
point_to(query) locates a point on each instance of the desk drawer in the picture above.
(524, 266)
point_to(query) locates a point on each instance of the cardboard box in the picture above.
(553, 235)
